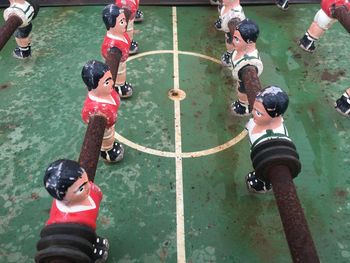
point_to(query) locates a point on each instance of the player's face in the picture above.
(78, 191)
(121, 24)
(105, 85)
(238, 42)
(261, 117)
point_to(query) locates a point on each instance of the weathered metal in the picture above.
(7, 30)
(90, 150)
(301, 245)
(251, 83)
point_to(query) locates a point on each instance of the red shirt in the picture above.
(123, 43)
(326, 4)
(93, 105)
(81, 214)
(132, 5)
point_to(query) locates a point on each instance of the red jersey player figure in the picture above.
(245, 54)
(116, 23)
(76, 200)
(25, 11)
(229, 10)
(323, 20)
(267, 123)
(342, 104)
(132, 6)
(102, 99)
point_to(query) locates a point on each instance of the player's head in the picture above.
(274, 100)
(60, 175)
(110, 14)
(249, 30)
(92, 72)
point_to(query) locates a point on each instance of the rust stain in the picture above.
(341, 193)
(34, 196)
(4, 86)
(332, 77)
(104, 220)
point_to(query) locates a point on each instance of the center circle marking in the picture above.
(177, 93)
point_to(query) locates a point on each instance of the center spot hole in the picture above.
(176, 94)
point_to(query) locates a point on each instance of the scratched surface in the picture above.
(40, 103)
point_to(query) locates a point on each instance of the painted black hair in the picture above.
(60, 175)
(110, 14)
(92, 72)
(249, 30)
(274, 100)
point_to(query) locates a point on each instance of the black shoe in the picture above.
(139, 16)
(240, 109)
(217, 24)
(102, 243)
(307, 43)
(115, 154)
(256, 185)
(282, 4)
(22, 52)
(99, 255)
(342, 105)
(125, 90)
(226, 59)
(134, 47)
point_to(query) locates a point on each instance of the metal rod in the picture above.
(251, 83)
(295, 226)
(343, 16)
(90, 150)
(7, 30)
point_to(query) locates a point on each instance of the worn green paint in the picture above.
(40, 123)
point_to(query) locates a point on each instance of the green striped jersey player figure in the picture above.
(26, 12)
(244, 38)
(267, 123)
(102, 99)
(231, 9)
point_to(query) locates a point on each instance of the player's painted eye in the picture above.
(236, 39)
(258, 113)
(106, 83)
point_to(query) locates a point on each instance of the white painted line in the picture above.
(196, 154)
(180, 221)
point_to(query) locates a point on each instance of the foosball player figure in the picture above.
(76, 200)
(244, 38)
(104, 100)
(229, 10)
(267, 123)
(323, 20)
(26, 12)
(132, 6)
(116, 22)
(342, 105)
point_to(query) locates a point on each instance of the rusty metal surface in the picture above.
(343, 16)
(251, 83)
(90, 150)
(301, 245)
(8, 29)
(113, 59)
